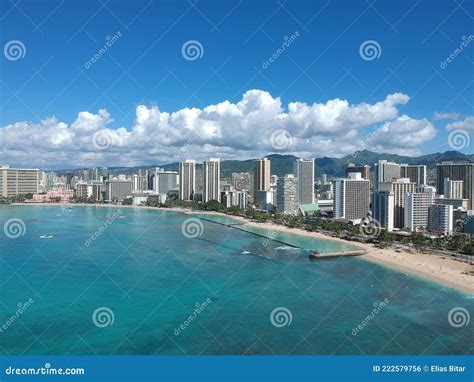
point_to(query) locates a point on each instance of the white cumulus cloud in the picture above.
(230, 130)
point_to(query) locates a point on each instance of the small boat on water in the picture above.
(314, 255)
(46, 236)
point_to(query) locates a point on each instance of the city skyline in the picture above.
(103, 91)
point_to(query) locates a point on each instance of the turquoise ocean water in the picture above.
(149, 276)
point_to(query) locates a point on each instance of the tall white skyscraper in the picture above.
(211, 173)
(187, 179)
(304, 171)
(416, 210)
(453, 188)
(351, 197)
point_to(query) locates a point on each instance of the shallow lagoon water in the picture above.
(151, 277)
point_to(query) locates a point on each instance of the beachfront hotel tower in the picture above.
(211, 173)
(16, 181)
(287, 195)
(351, 197)
(261, 176)
(187, 179)
(304, 171)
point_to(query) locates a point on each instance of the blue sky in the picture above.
(145, 68)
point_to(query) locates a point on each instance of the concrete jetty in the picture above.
(314, 255)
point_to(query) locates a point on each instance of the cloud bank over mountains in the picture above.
(229, 130)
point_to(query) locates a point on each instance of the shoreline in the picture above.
(441, 270)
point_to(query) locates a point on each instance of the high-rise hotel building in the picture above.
(261, 176)
(457, 171)
(211, 173)
(16, 181)
(287, 195)
(383, 207)
(351, 197)
(164, 181)
(416, 173)
(399, 188)
(364, 170)
(304, 171)
(187, 179)
(452, 189)
(385, 172)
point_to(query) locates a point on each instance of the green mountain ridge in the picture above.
(283, 164)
